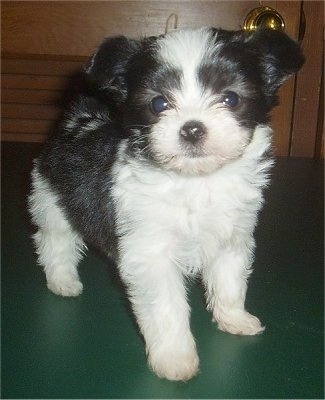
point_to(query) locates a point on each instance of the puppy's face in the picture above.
(191, 99)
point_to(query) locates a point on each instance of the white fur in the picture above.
(185, 49)
(59, 248)
(201, 224)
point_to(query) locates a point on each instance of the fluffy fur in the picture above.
(160, 161)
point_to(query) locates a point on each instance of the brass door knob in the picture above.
(265, 17)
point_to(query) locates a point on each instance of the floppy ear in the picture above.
(280, 57)
(106, 69)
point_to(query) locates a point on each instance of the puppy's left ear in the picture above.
(107, 68)
(280, 57)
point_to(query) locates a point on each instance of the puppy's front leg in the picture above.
(226, 284)
(158, 297)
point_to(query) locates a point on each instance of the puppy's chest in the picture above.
(189, 219)
(189, 208)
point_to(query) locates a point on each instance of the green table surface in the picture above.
(90, 347)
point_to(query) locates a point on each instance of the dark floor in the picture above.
(89, 347)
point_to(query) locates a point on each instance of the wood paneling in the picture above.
(45, 42)
(41, 66)
(26, 96)
(282, 114)
(32, 92)
(33, 82)
(21, 125)
(76, 27)
(308, 91)
(24, 111)
(23, 137)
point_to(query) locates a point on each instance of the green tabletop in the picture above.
(89, 347)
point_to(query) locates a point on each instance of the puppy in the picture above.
(160, 162)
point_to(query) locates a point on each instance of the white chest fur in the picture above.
(188, 217)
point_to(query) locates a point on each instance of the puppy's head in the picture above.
(190, 100)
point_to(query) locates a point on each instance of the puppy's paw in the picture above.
(240, 322)
(175, 365)
(65, 285)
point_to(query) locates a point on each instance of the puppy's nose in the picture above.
(193, 131)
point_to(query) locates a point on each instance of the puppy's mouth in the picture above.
(193, 151)
(196, 159)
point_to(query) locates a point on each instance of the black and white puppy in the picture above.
(161, 164)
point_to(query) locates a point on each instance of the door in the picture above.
(43, 42)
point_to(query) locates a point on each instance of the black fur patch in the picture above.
(256, 63)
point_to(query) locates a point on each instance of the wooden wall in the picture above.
(45, 42)
(32, 91)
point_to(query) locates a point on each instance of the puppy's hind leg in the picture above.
(59, 248)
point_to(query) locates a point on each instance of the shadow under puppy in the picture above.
(161, 164)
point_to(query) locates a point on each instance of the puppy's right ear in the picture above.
(106, 69)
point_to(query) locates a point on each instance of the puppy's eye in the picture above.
(230, 99)
(158, 104)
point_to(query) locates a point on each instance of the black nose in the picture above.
(193, 131)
